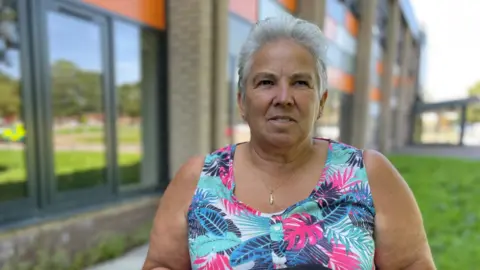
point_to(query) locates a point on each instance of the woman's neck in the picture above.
(262, 154)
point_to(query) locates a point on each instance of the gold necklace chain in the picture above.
(272, 197)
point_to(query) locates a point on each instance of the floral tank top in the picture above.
(333, 227)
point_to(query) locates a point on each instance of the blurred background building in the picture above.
(101, 101)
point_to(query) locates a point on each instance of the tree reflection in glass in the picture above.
(77, 101)
(12, 132)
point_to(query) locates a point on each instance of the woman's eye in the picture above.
(265, 82)
(302, 83)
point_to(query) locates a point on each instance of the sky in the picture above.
(453, 46)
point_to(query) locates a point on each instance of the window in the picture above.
(329, 123)
(13, 172)
(270, 8)
(438, 127)
(77, 99)
(136, 73)
(336, 11)
(238, 31)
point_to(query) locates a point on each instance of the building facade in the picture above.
(102, 101)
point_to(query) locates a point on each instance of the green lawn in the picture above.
(74, 170)
(447, 192)
(127, 134)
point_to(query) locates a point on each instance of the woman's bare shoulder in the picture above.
(168, 238)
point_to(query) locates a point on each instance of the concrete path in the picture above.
(133, 260)
(468, 152)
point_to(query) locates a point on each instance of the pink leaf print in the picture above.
(340, 259)
(231, 208)
(226, 176)
(340, 179)
(212, 261)
(300, 229)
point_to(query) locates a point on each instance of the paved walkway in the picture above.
(133, 260)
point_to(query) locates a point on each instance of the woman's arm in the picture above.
(400, 238)
(169, 236)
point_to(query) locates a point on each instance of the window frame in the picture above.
(42, 203)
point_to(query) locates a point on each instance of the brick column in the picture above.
(312, 11)
(361, 97)
(403, 109)
(220, 77)
(190, 70)
(393, 28)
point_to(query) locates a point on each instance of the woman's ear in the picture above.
(241, 103)
(323, 100)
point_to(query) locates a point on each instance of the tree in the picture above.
(130, 99)
(473, 110)
(9, 97)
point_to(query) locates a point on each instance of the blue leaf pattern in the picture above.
(212, 221)
(255, 249)
(333, 225)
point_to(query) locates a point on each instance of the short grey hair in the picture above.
(300, 31)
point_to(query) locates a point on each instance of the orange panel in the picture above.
(348, 83)
(375, 94)
(247, 9)
(289, 4)
(396, 81)
(150, 12)
(341, 80)
(351, 23)
(379, 67)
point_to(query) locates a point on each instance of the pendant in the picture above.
(271, 198)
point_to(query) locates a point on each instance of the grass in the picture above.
(74, 170)
(446, 190)
(126, 134)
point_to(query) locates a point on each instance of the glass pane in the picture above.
(438, 127)
(472, 125)
(329, 123)
(129, 82)
(13, 174)
(77, 101)
(270, 8)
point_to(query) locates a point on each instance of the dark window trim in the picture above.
(34, 59)
(24, 207)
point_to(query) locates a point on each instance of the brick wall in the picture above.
(78, 233)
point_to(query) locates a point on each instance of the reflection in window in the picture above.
(438, 127)
(12, 131)
(77, 101)
(372, 125)
(128, 67)
(270, 8)
(329, 123)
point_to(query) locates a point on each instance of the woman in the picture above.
(285, 199)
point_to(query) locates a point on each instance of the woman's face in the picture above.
(281, 100)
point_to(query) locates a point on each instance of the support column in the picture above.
(393, 28)
(463, 120)
(221, 87)
(361, 97)
(403, 108)
(312, 11)
(190, 79)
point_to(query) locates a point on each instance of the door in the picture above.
(79, 104)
